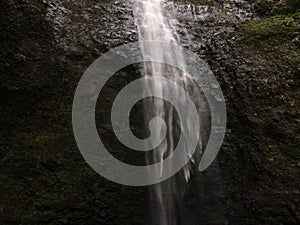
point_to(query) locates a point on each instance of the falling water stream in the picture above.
(153, 24)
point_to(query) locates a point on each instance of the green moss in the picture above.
(272, 90)
(292, 5)
(280, 25)
(273, 7)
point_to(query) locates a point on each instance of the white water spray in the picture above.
(153, 24)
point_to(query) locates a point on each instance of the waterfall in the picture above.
(153, 24)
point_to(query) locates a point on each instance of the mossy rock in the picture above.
(272, 44)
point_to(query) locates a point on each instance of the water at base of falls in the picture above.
(152, 24)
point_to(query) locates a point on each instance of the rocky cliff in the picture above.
(251, 46)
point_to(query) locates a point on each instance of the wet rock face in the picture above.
(218, 12)
(94, 25)
(45, 179)
(50, 177)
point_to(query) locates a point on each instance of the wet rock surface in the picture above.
(255, 179)
(97, 26)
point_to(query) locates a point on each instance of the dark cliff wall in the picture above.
(44, 179)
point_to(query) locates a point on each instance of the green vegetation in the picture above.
(292, 5)
(273, 44)
(44, 178)
(261, 7)
(274, 7)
